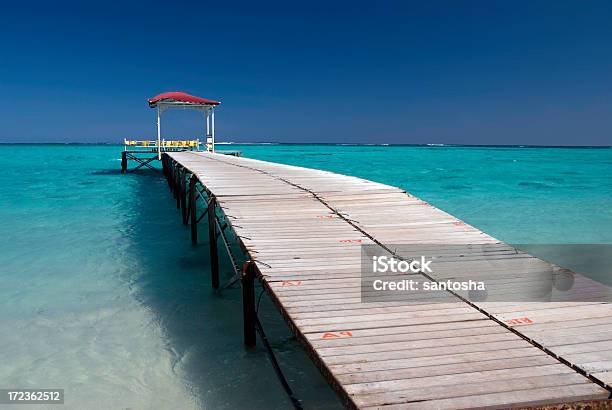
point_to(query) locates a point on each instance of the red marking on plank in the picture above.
(291, 283)
(459, 223)
(519, 321)
(325, 216)
(336, 335)
(350, 240)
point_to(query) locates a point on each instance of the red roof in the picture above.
(181, 97)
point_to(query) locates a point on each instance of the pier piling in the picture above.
(183, 194)
(177, 187)
(212, 237)
(248, 303)
(123, 162)
(193, 209)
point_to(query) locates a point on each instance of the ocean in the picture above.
(104, 296)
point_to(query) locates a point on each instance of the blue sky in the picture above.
(472, 72)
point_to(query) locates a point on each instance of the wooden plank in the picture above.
(508, 399)
(437, 393)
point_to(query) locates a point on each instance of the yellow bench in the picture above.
(165, 143)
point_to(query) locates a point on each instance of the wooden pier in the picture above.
(302, 231)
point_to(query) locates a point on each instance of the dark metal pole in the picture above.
(248, 303)
(169, 179)
(192, 210)
(183, 194)
(172, 179)
(123, 162)
(177, 187)
(167, 162)
(212, 239)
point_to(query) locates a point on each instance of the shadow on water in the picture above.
(171, 278)
(118, 172)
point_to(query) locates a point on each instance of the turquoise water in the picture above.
(519, 195)
(103, 295)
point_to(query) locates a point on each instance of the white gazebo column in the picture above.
(158, 133)
(212, 120)
(207, 127)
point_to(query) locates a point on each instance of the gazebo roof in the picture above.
(180, 98)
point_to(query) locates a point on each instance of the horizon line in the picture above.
(430, 145)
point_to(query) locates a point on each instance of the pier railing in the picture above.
(165, 145)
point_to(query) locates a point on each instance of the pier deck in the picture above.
(304, 228)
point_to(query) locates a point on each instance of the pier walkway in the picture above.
(303, 231)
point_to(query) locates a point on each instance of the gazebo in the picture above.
(146, 151)
(181, 100)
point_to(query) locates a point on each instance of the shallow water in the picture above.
(103, 295)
